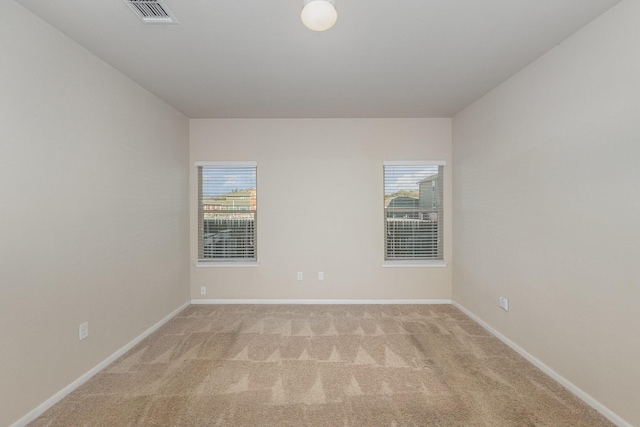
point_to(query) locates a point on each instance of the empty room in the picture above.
(320, 213)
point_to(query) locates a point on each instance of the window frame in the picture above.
(415, 262)
(224, 262)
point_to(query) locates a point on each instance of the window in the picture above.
(227, 211)
(413, 216)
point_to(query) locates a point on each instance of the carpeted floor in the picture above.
(321, 365)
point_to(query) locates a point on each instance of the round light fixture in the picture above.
(319, 15)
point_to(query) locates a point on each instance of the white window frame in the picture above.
(415, 262)
(221, 262)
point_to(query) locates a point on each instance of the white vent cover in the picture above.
(152, 11)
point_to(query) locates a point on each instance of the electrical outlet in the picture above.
(84, 330)
(504, 303)
(203, 290)
(299, 276)
(321, 275)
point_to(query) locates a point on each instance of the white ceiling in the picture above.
(254, 58)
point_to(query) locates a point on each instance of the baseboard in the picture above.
(582, 395)
(320, 301)
(35, 413)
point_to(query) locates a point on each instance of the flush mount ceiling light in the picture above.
(319, 15)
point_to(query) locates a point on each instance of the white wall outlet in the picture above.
(203, 290)
(504, 303)
(321, 275)
(299, 276)
(84, 330)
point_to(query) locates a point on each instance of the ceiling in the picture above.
(254, 58)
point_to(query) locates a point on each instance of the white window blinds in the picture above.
(413, 196)
(227, 211)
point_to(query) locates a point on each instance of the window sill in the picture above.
(227, 264)
(419, 263)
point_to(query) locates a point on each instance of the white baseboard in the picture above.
(320, 301)
(35, 413)
(582, 395)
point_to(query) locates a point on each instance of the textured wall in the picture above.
(546, 209)
(93, 211)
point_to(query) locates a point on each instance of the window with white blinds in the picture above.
(227, 211)
(413, 215)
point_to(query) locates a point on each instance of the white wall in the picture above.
(93, 211)
(320, 206)
(547, 209)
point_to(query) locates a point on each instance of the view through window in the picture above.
(227, 211)
(413, 210)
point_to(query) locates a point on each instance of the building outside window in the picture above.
(227, 211)
(413, 210)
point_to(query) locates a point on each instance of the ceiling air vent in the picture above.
(152, 11)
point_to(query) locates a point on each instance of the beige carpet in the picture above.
(293, 365)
